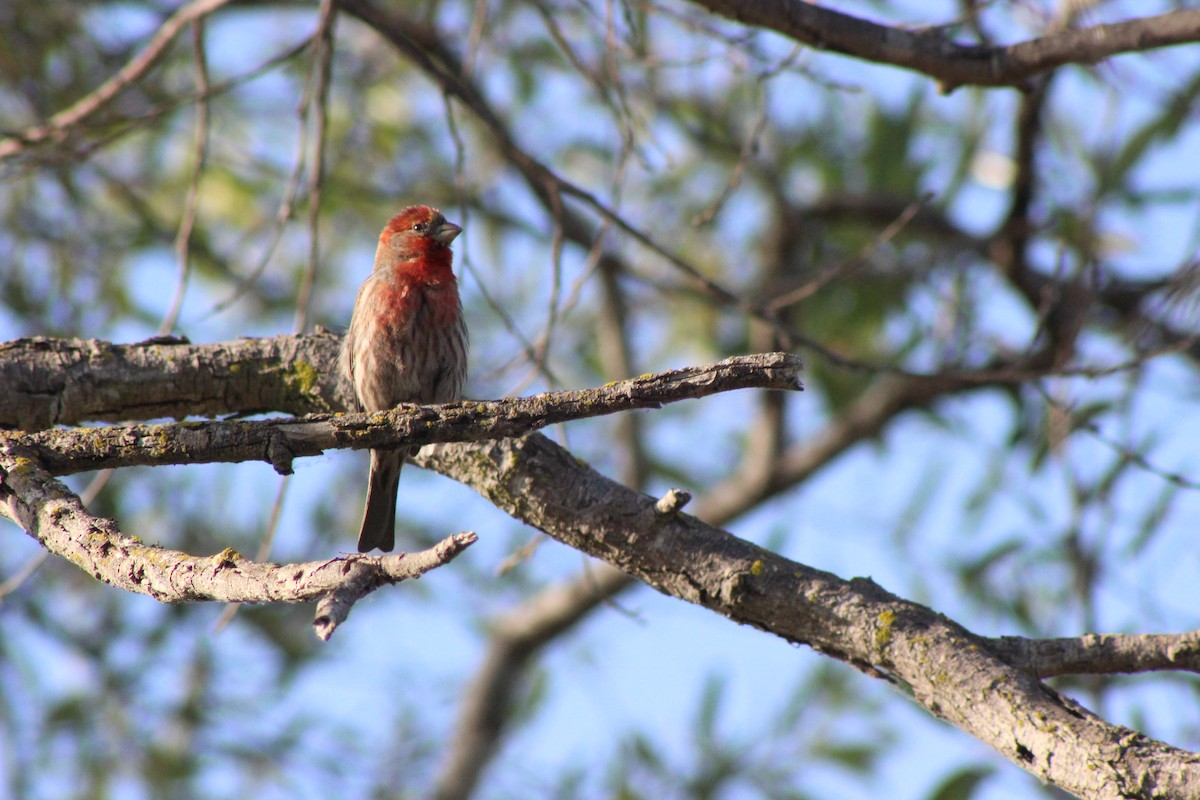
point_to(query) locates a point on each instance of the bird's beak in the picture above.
(446, 232)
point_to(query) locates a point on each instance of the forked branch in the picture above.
(55, 516)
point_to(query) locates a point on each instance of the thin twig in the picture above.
(1135, 457)
(287, 204)
(59, 126)
(323, 65)
(849, 267)
(183, 238)
(527, 347)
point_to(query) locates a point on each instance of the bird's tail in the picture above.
(379, 516)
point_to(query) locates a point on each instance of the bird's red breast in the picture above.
(414, 272)
(400, 296)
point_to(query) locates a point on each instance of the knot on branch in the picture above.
(672, 503)
(280, 454)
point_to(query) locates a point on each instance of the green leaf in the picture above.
(961, 785)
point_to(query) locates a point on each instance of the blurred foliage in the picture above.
(774, 171)
(768, 758)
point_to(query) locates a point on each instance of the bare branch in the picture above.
(55, 516)
(365, 574)
(45, 382)
(279, 441)
(1101, 654)
(617, 358)
(845, 269)
(930, 52)
(191, 203)
(765, 472)
(316, 100)
(950, 671)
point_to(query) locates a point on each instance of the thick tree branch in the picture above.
(55, 516)
(952, 64)
(46, 382)
(491, 691)
(949, 670)
(278, 441)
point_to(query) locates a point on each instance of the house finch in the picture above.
(407, 343)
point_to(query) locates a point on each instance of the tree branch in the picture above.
(950, 671)
(929, 51)
(59, 126)
(279, 441)
(1101, 654)
(46, 382)
(55, 516)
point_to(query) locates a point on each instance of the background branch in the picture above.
(931, 52)
(60, 125)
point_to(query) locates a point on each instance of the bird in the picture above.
(407, 343)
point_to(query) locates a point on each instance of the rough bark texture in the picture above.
(46, 382)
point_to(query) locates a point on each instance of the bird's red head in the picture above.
(417, 240)
(420, 224)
